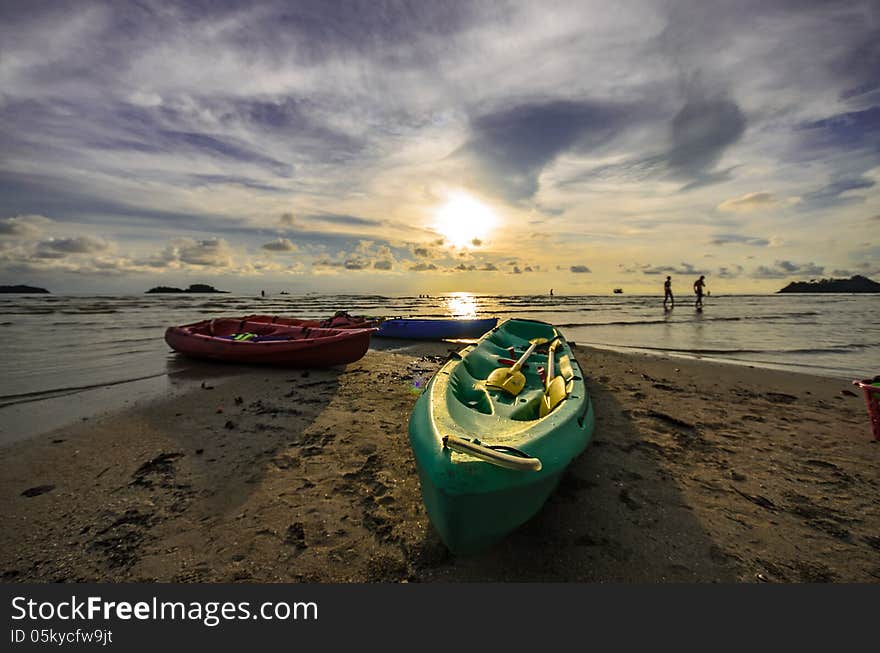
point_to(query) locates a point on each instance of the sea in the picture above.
(65, 357)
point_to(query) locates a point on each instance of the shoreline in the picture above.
(698, 472)
(62, 408)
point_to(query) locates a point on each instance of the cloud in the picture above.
(280, 245)
(853, 130)
(321, 124)
(356, 263)
(837, 192)
(730, 272)
(327, 263)
(725, 239)
(785, 269)
(701, 132)
(344, 220)
(749, 202)
(423, 267)
(210, 252)
(579, 269)
(648, 269)
(23, 226)
(77, 245)
(513, 145)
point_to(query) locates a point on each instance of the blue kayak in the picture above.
(435, 329)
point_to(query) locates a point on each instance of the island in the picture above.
(194, 288)
(22, 290)
(855, 284)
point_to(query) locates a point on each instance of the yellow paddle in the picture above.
(554, 394)
(510, 379)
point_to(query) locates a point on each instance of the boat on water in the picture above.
(236, 340)
(435, 329)
(618, 291)
(488, 454)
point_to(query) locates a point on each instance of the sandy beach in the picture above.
(698, 472)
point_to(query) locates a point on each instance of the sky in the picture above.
(424, 147)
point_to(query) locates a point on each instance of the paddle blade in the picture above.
(565, 368)
(505, 380)
(553, 396)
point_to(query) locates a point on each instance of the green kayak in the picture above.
(488, 454)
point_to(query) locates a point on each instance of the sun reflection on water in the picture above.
(462, 304)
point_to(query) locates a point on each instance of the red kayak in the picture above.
(340, 320)
(243, 341)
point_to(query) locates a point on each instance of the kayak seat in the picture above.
(467, 391)
(527, 407)
(480, 362)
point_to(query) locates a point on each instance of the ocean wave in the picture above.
(25, 397)
(835, 349)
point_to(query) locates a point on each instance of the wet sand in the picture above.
(698, 472)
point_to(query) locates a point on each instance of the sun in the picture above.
(464, 220)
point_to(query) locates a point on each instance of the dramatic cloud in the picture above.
(579, 269)
(514, 144)
(160, 137)
(701, 131)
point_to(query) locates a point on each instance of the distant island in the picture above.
(22, 289)
(196, 287)
(857, 283)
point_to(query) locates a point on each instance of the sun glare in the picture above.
(464, 221)
(462, 304)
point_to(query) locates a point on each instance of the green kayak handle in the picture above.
(494, 456)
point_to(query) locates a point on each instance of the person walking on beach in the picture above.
(699, 284)
(667, 292)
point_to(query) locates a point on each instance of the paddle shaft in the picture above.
(522, 359)
(551, 355)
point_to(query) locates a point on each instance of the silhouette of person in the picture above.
(699, 284)
(667, 292)
(551, 292)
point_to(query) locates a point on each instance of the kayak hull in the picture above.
(474, 504)
(286, 346)
(341, 320)
(435, 329)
